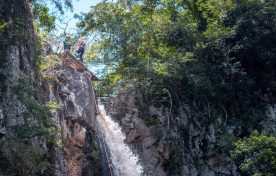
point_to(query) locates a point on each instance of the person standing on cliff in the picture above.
(81, 46)
(67, 43)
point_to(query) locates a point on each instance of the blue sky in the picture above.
(80, 6)
(83, 5)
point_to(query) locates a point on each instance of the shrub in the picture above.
(256, 154)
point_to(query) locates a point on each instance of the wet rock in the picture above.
(149, 141)
(188, 145)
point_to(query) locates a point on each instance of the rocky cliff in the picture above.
(16, 64)
(73, 91)
(61, 132)
(175, 143)
(184, 147)
(47, 109)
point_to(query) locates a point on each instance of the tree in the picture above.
(256, 154)
(214, 53)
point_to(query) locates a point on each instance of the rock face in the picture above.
(46, 126)
(187, 147)
(17, 56)
(76, 118)
(74, 152)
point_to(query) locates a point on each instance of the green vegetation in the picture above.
(25, 158)
(5, 69)
(149, 121)
(3, 26)
(27, 147)
(38, 110)
(213, 52)
(43, 20)
(46, 67)
(218, 56)
(93, 150)
(256, 155)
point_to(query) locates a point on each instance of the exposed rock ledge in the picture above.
(77, 153)
(77, 121)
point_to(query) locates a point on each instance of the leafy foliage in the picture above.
(44, 20)
(39, 111)
(60, 5)
(46, 66)
(24, 159)
(256, 155)
(19, 155)
(218, 56)
(213, 51)
(27, 147)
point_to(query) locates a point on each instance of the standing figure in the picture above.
(67, 43)
(81, 46)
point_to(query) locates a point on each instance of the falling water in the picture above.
(123, 160)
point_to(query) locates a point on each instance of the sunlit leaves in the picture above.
(256, 155)
(59, 4)
(215, 12)
(43, 19)
(46, 67)
(192, 43)
(53, 106)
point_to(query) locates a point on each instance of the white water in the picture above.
(124, 161)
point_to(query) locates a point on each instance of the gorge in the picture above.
(189, 91)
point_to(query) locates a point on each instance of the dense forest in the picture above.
(219, 53)
(216, 56)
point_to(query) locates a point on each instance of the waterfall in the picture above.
(123, 160)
